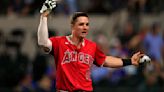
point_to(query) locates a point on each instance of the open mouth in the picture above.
(84, 32)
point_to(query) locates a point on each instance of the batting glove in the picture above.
(48, 5)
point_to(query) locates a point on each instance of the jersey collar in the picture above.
(69, 40)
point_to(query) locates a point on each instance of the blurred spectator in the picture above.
(161, 79)
(116, 48)
(136, 44)
(153, 43)
(102, 41)
(125, 37)
(30, 7)
(21, 61)
(36, 6)
(25, 84)
(83, 5)
(153, 78)
(27, 9)
(66, 7)
(43, 73)
(19, 7)
(2, 50)
(3, 6)
(99, 74)
(17, 35)
(136, 7)
(116, 5)
(150, 84)
(2, 38)
(122, 74)
(13, 62)
(97, 6)
(72, 6)
(41, 80)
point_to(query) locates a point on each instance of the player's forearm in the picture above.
(43, 39)
(113, 62)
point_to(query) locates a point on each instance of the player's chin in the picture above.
(83, 35)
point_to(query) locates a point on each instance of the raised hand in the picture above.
(48, 5)
(136, 58)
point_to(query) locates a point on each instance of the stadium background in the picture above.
(120, 27)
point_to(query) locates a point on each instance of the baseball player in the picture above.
(74, 54)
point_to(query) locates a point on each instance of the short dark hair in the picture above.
(76, 15)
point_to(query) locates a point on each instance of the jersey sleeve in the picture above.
(99, 57)
(55, 46)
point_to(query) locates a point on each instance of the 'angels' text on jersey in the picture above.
(74, 56)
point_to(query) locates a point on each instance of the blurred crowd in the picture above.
(146, 77)
(32, 7)
(19, 73)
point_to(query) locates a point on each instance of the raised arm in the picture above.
(115, 62)
(43, 39)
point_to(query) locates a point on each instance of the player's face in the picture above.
(80, 27)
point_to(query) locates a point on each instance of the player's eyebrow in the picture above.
(83, 24)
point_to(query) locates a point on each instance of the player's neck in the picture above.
(77, 41)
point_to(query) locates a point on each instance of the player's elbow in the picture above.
(41, 43)
(46, 45)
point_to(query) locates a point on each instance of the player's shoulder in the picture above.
(58, 37)
(88, 41)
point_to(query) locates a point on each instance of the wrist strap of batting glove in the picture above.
(126, 62)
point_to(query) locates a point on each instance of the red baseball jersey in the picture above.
(73, 65)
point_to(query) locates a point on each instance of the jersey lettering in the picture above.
(66, 58)
(73, 56)
(81, 57)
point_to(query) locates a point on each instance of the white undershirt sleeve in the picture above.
(43, 39)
